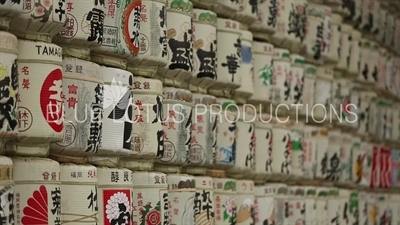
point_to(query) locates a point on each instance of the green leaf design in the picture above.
(230, 185)
(158, 206)
(226, 215)
(266, 75)
(314, 48)
(311, 70)
(208, 17)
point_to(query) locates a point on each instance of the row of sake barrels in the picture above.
(282, 204)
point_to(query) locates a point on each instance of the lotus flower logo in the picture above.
(117, 96)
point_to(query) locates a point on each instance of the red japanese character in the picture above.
(25, 70)
(139, 105)
(143, 18)
(176, 212)
(72, 102)
(136, 85)
(171, 114)
(193, 127)
(200, 130)
(69, 6)
(25, 84)
(171, 126)
(194, 140)
(139, 118)
(72, 89)
(146, 85)
(200, 119)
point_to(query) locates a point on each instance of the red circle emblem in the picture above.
(51, 100)
(153, 217)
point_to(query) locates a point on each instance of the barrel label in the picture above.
(8, 97)
(117, 207)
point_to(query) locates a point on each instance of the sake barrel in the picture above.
(362, 163)
(345, 47)
(281, 76)
(380, 119)
(263, 72)
(263, 136)
(354, 53)
(227, 117)
(9, 76)
(373, 207)
(296, 205)
(281, 149)
(334, 210)
(84, 97)
(267, 12)
(297, 75)
(388, 121)
(264, 205)
(225, 201)
(307, 98)
(177, 114)
(363, 208)
(366, 13)
(181, 195)
(382, 59)
(204, 201)
(321, 204)
(147, 133)
(320, 111)
(290, 32)
(335, 46)
(375, 168)
(115, 195)
(310, 216)
(390, 29)
(117, 119)
(245, 143)
(225, 8)
(9, 10)
(353, 209)
(316, 45)
(281, 203)
(323, 144)
(364, 109)
(79, 191)
(179, 39)
(37, 193)
(149, 198)
(229, 56)
(310, 152)
(396, 121)
(246, 70)
(342, 105)
(204, 48)
(344, 198)
(345, 158)
(390, 75)
(245, 202)
(40, 78)
(333, 162)
(385, 172)
(39, 20)
(204, 134)
(247, 13)
(364, 74)
(374, 10)
(395, 168)
(381, 26)
(297, 154)
(123, 25)
(7, 191)
(374, 62)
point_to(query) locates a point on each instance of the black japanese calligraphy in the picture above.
(232, 64)
(92, 198)
(207, 61)
(318, 41)
(238, 46)
(285, 168)
(157, 109)
(297, 21)
(12, 1)
(345, 210)
(8, 101)
(96, 19)
(56, 210)
(250, 157)
(163, 39)
(287, 85)
(45, 14)
(61, 10)
(254, 6)
(268, 164)
(96, 2)
(96, 125)
(333, 172)
(324, 164)
(335, 220)
(181, 52)
(233, 128)
(136, 26)
(273, 12)
(160, 143)
(203, 202)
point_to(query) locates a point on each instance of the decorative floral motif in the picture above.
(153, 217)
(116, 205)
(230, 209)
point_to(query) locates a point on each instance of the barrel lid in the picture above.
(183, 6)
(263, 47)
(35, 169)
(6, 169)
(88, 70)
(203, 182)
(297, 60)
(280, 53)
(117, 77)
(177, 94)
(336, 19)
(205, 16)
(264, 190)
(310, 70)
(345, 28)
(8, 42)
(144, 178)
(333, 192)
(229, 25)
(224, 184)
(204, 99)
(355, 34)
(180, 181)
(70, 172)
(322, 192)
(143, 84)
(245, 186)
(247, 35)
(296, 191)
(36, 50)
(310, 191)
(114, 176)
(227, 104)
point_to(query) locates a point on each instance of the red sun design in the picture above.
(36, 213)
